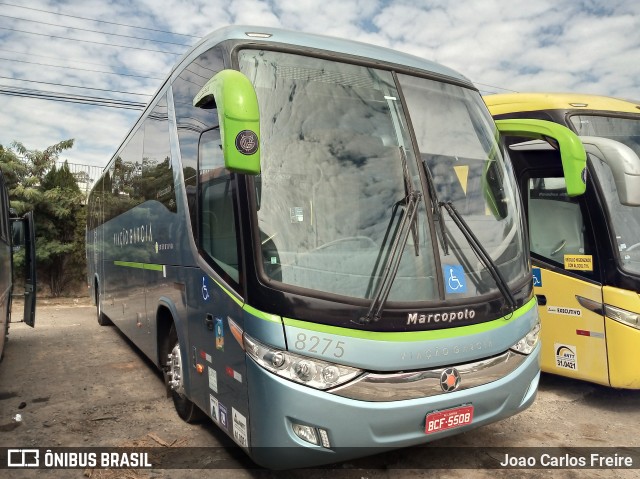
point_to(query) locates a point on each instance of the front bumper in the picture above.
(359, 428)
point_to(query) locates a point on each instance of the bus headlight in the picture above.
(622, 316)
(311, 372)
(527, 344)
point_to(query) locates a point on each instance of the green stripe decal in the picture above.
(259, 314)
(149, 266)
(228, 293)
(411, 336)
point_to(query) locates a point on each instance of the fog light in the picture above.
(324, 437)
(306, 433)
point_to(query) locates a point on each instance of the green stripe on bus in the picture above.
(149, 266)
(229, 293)
(274, 318)
(410, 336)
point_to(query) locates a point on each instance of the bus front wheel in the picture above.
(186, 409)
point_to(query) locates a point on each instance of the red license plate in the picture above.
(448, 419)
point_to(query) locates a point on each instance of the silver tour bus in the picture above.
(321, 245)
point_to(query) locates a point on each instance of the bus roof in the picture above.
(266, 35)
(514, 102)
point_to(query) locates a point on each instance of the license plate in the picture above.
(448, 419)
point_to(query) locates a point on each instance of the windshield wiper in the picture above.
(482, 254)
(436, 206)
(408, 224)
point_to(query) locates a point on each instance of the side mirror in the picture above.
(17, 233)
(233, 95)
(572, 152)
(624, 164)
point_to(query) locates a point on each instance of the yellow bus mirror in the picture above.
(572, 153)
(233, 95)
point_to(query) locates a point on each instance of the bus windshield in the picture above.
(624, 130)
(625, 220)
(338, 164)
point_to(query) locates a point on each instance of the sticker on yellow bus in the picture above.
(580, 262)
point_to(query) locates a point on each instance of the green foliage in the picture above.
(35, 184)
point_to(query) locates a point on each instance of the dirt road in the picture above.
(76, 384)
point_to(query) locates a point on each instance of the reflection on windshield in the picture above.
(457, 143)
(332, 171)
(624, 130)
(625, 220)
(331, 175)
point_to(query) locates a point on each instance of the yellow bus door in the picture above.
(623, 339)
(566, 283)
(572, 326)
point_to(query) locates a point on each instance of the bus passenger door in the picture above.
(221, 386)
(566, 282)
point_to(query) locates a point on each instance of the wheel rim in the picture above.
(175, 371)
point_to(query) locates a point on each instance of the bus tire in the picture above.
(185, 408)
(102, 318)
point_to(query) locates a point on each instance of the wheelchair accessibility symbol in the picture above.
(205, 289)
(455, 281)
(537, 277)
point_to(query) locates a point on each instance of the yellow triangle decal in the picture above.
(462, 172)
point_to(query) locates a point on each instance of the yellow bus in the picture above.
(585, 250)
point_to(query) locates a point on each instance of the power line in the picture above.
(494, 86)
(67, 59)
(99, 21)
(81, 99)
(81, 69)
(74, 86)
(90, 41)
(96, 31)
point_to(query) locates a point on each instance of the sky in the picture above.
(117, 52)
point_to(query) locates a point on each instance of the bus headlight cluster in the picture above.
(622, 316)
(527, 344)
(311, 372)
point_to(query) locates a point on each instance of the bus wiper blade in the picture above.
(436, 205)
(409, 190)
(477, 247)
(392, 263)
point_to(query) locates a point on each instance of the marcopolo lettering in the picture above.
(415, 318)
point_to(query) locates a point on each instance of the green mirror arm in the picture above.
(574, 157)
(233, 95)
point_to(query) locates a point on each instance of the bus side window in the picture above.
(217, 231)
(556, 223)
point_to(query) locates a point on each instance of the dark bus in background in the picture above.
(15, 234)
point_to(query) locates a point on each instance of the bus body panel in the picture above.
(216, 360)
(574, 342)
(507, 103)
(625, 356)
(407, 351)
(381, 425)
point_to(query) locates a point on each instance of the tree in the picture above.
(35, 184)
(57, 220)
